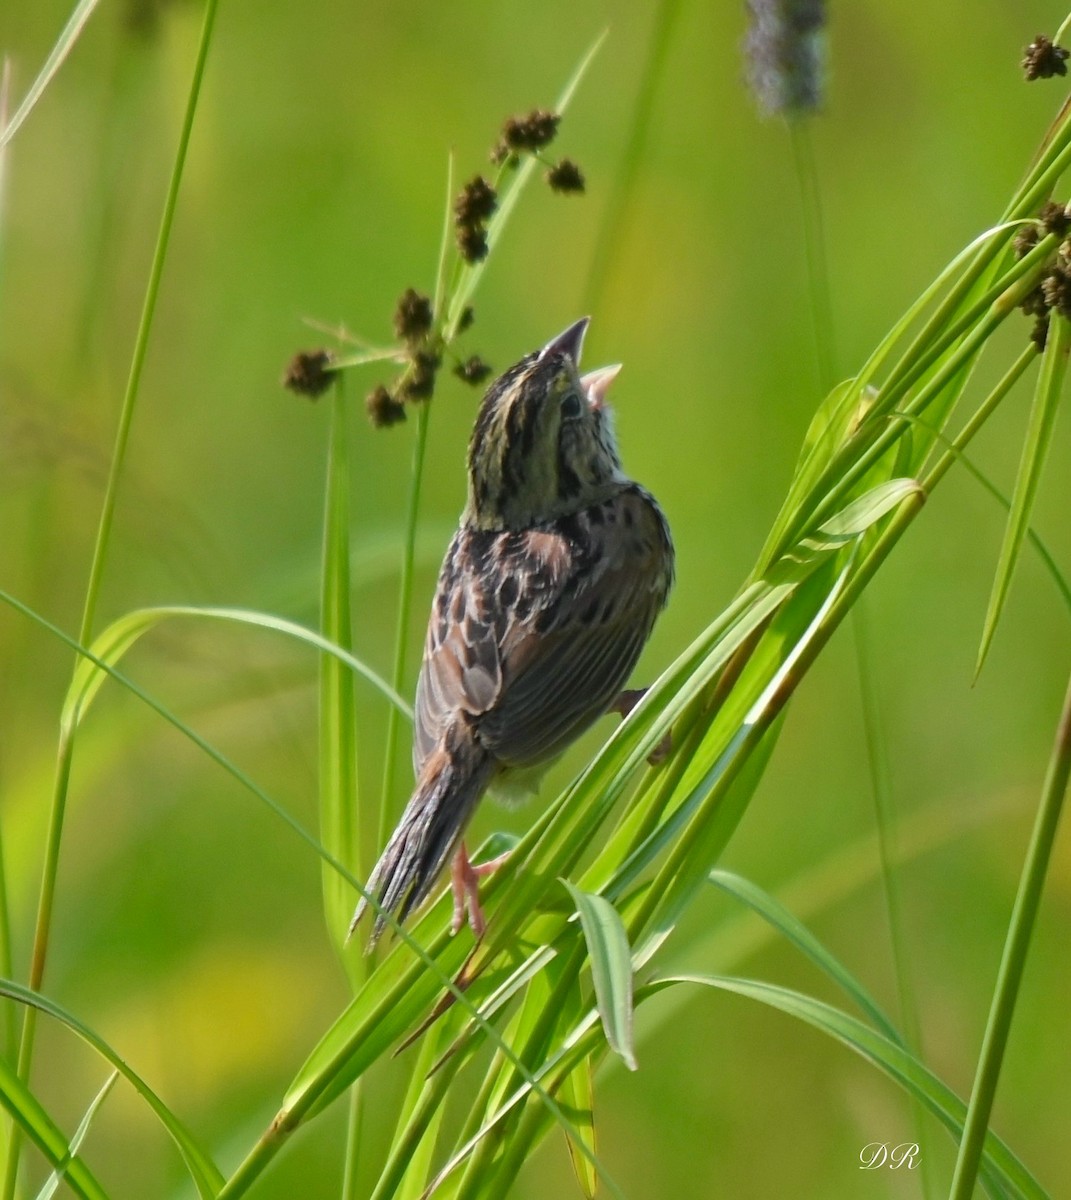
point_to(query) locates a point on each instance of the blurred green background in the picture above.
(189, 926)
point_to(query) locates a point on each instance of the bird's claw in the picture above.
(465, 879)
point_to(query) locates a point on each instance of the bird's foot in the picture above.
(465, 883)
(624, 704)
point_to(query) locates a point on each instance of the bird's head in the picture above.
(543, 444)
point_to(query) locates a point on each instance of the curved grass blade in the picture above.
(180, 726)
(1035, 450)
(797, 934)
(896, 1062)
(49, 1187)
(110, 646)
(83, 10)
(611, 969)
(46, 1135)
(1013, 957)
(338, 702)
(202, 1169)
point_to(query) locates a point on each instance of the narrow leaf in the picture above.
(577, 1098)
(794, 931)
(1035, 449)
(611, 968)
(338, 703)
(48, 1189)
(46, 1135)
(897, 1062)
(64, 45)
(110, 646)
(841, 529)
(202, 1169)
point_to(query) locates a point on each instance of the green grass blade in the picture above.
(405, 606)
(1013, 959)
(46, 1135)
(202, 1169)
(83, 10)
(1035, 450)
(338, 777)
(797, 934)
(145, 323)
(498, 1149)
(611, 969)
(206, 747)
(577, 1098)
(896, 1062)
(110, 646)
(54, 837)
(51, 1184)
(414, 1144)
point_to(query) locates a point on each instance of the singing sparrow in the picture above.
(547, 594)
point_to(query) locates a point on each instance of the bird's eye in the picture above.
(572, 406)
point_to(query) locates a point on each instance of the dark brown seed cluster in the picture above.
(565, 177)
(1054, 219)
(414, 321)
(1054, 290)
(383, 409)
(472, 210)
(309, 373)
(418, 379)
(413, 316)
(477, 202)
(530, 133)
(473, 370)
(1043, 59)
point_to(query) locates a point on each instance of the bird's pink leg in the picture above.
(624, 704)
(465, 884)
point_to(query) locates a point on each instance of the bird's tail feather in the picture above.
(450, 784)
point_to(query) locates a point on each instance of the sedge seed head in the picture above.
(413, 316)
(1043, 59)
(382, 408)
(566, 177)
(308, 373)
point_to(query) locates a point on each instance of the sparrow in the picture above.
(546, 596)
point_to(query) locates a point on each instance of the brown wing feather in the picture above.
(539, 630)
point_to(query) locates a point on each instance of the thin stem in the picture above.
(354, 1125)
(100, 551)
(141, 342)
(40, 943)
(1013, 960)
(405, 605)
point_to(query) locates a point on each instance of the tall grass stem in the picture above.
(1013, 960)
(96, 571)
(405, 609)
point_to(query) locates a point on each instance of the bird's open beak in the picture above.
(569, 342)
(597, 383)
